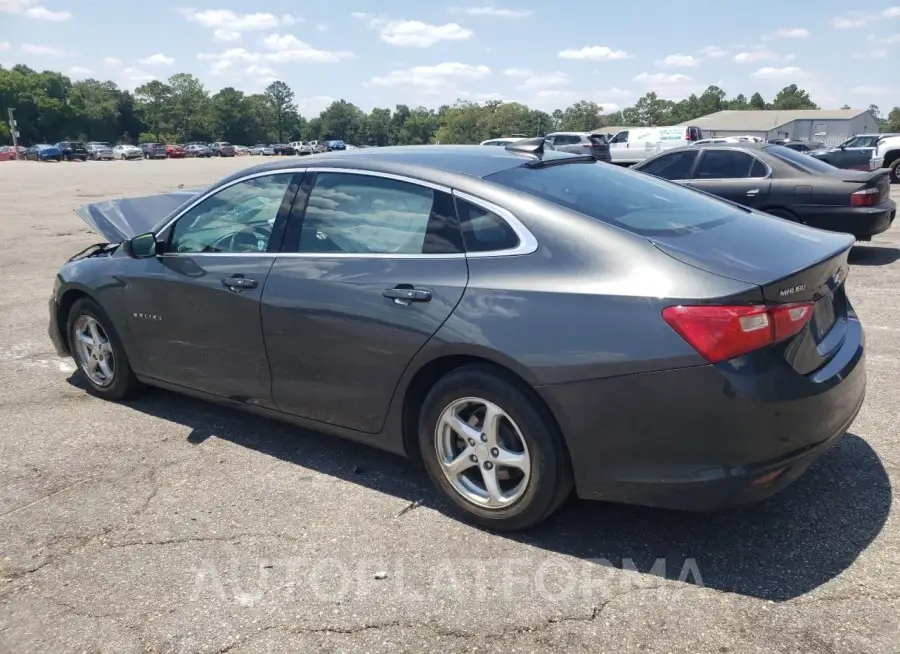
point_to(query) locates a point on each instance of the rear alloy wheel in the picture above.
(491, 452)
(98, 351)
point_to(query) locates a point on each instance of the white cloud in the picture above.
(792, 33)
(42, 50)
(432, 79)
(791, 73)
(678, 60)
(858, 19)
(753, 56)
(112, 62)
(136, 76)
(230, 21)
(887, 40)
(321, 27)
(712, 52)
(226, 36)
(549, 99)
(290, 48)
(158, 59)
(4, 46)
(314, 105)
(544, 81)
(669, 86)
(518, 72)
(28, 9)
(878, 54)
(414, 33)
(891, 12)
(497, 12)
(848, 23)
(80, 71)
(593, 53)
(871, 90)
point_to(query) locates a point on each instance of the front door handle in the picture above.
(403, 294)
(238, 283)
(753, 192)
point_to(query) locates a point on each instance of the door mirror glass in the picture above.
(143, 246)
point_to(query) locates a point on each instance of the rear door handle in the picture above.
(404, 294)
(238, 283)
(753, 192)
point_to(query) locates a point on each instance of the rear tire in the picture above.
(895, 171)
(103, 362)
(520, 473)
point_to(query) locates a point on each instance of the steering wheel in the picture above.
(247, 239)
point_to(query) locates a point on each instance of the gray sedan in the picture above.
(526, 323)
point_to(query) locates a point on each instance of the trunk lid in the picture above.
(120, 220)
(858, 180)
(789, 263)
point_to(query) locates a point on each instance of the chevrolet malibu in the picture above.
(529, 324)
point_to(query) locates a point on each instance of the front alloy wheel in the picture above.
(94, 352)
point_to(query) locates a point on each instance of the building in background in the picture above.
(823, 125)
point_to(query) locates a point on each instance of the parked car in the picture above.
(174, 151)
(502, 141)
(262, 149)
(630, 146)
(853, 154)
(154, 150)
(241, 150)
(302, 147)
(99, 151)
(282, 149)
(595, 145)
(73, 150)
(43, 152)
(887, 155)
(336, 145)
(318, 146)
(766, 177)
(222, 149)
(662, 300)
(197, 150)
(127, 152)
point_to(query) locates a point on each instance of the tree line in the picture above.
(50, 107)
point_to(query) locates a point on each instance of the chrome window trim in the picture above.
(527, 242)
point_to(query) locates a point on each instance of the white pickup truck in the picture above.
(633, 145)
(887, 155)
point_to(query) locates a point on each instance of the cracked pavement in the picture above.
(168, 525)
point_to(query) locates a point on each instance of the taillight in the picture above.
(867, 197)
(724, 332)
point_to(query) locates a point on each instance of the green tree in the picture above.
(283, 109)
(892, 124)
(342, 120)
(583, 116)
(154, 98)
(757, 102)
(189, 108)
(793, 97)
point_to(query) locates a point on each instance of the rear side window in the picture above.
(677, 165)
(483, 230)
(641, 204)
(724, 164)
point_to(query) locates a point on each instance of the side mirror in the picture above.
(142, 246)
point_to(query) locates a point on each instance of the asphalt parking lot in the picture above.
(169, 525)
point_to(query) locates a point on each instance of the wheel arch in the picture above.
(428, 373)
(67, 300)
(891, 156)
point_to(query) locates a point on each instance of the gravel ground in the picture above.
(170, 525)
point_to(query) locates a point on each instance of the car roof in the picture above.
(435, 163)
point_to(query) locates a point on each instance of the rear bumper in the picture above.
(876, 162)
(862, 222)
(707, 437)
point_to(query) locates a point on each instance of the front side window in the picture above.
(367, 214)
(238, 218)
(677, 165)
(724, 164)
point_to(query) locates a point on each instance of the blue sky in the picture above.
(404, 51)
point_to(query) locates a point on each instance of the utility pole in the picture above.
(15, 133)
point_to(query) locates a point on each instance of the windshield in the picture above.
(637, 202)
(799, 160)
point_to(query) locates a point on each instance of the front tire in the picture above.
(496, 457)
(98, 351)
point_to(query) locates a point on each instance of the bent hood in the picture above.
(119, 220)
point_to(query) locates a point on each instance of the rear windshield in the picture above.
(637, 202)
(799, 159)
